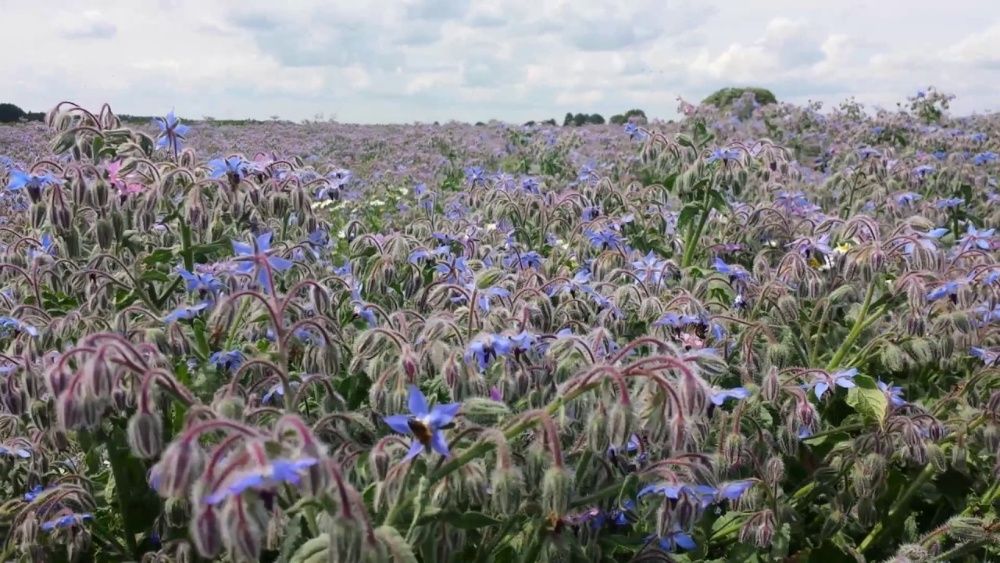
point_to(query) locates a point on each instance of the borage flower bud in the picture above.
(557, 488)
(597, 430)
(759, 529)
(507, 485)
(206, 530)
(687, 509)
(771, 386)
(621, 419)
(145, 434)
(181, 464)
(774, 471)
(732, 449)
(245, 523)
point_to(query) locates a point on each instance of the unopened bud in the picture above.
(732, 449)
(206, 530)
(597, 430)
(507, 485)
(771, 386)
(621, 419)
(483, 410)
(145, 434)
(231, 407)
(774, 471)
(557, 488)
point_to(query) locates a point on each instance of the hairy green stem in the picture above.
(856, 330)
(897, 507)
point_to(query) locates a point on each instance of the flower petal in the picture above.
(443, 414)
(415, 448)
(439, 443)
(398, 422)
(417, 402)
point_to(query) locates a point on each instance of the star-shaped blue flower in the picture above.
(424, 424)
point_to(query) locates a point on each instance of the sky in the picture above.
(400, 61)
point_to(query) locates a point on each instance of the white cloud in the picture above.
(88, 24)
(406, 60)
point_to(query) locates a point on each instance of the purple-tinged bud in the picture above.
(759, 529)
(68, 412)
(557, 489)
(145, 434)
(410, 363)
(379, 461)
(916, 324)
(105, 234)
(206, 530)
(687, 509)
(181, 464)
(678, 433)
(771, 386)
(732, 449)
(38, 215)
(774, 471)
(99, 194)
(244, 526)
(100, 377)
(507, 485)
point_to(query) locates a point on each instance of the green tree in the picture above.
(9, 113)
(596, 119)
(725, 97)
(568, 120)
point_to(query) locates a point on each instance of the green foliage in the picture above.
(725, 97)
(9, 113)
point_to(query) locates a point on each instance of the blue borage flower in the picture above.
(424, 424)
(198, 282)
(725, 155)
(20, 180)
(33, 493)
(720, 396)
(824, 382)
(172, 132)
(705, 494)
(15, 451)
(650, 269)
(892, 392)
(232, 167)
(66, 521)
(990, 357)
(487, 347)
(267, 476)
(734, 271)
(254, 255)
(185, 312)
(10, 326)
(228, 361)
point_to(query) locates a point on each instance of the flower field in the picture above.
(763, 333)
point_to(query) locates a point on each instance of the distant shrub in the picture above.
(725, 97)
(9, 113)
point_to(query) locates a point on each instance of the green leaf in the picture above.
(867, 399)
(687, 215)
(159, 256)
(461, 520)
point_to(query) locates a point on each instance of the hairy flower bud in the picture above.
(557, 488)
(771, 386)
(597, 430)
(145, 434)
(621, 419)
(507, 485)
(774, 471)
(179, 466)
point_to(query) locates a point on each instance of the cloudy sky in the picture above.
(514, 60)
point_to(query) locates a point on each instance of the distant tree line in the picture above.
(578, 119)
(9, 113)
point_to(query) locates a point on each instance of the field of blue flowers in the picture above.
(761, 333)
